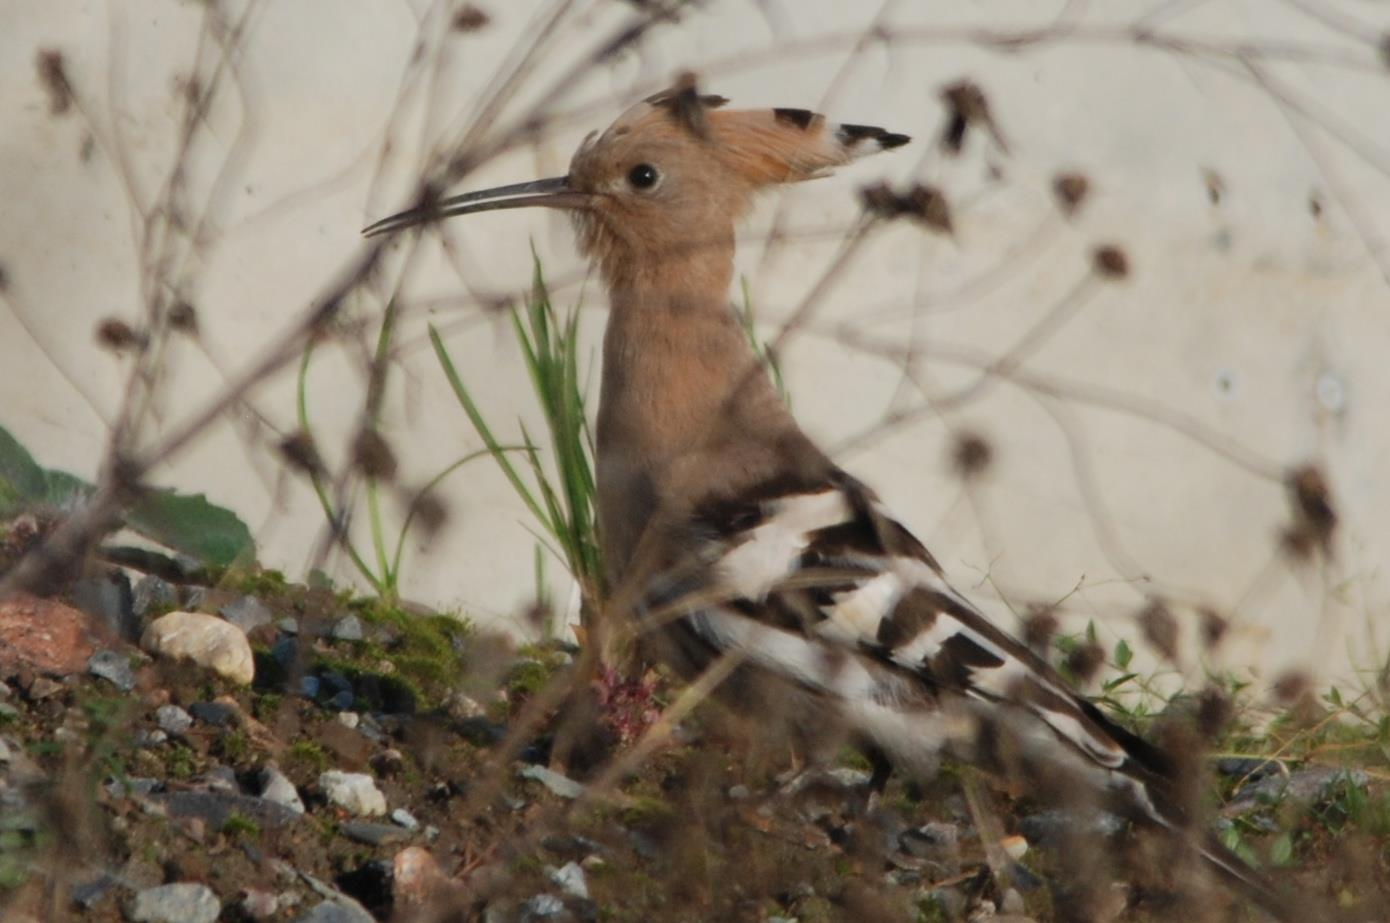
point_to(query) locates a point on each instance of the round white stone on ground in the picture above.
(276, 787)
(206, 640)
(185, 902)
(353, 791)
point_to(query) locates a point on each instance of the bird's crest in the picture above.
(758, 147)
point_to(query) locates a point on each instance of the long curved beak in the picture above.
(554, 192)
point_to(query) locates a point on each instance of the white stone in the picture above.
(405, 819)
(206, 640)
(563, 786)
(353, 791)
(570, 879)
(185, 902)
(279, 789)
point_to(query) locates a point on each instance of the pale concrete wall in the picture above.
(1253, 317)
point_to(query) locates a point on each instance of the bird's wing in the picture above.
(822, 586)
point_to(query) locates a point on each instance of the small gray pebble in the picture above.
(542, 906)
(336, 910)
(570, 879)
(348, 628)
(215, 713)
(276, 787)
(373, 834)
(247, 613)
(173, 720)
(114, 667)
(153, 592)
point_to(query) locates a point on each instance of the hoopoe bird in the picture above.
(741, 537)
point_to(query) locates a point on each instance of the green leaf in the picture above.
(1123, 654)
(22, 482)
(1119, 681)
(63, 490)
(188, 523)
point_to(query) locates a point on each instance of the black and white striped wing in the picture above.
(821, 587)
(824, 588)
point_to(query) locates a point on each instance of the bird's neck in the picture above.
(682, 391)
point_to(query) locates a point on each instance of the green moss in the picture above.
(528, 677)
(377, 690)
(234, 746)
(425, 653)
(647, 811)
(929, 910)
(306, 756)
(255, 582)
(239, 825)
(181, 762)
(853, 758)
(266, 705)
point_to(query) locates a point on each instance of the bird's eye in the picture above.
(643, 176)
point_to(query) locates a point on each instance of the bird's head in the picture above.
(666, 182)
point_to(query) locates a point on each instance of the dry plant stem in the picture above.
(1052, 386)
(537, 710)
(1138, 35)
(163, 230)
(1296, 115)
(1030, 342)
(1102, 521)
(987, 825)
(776, 235)
(125, 467)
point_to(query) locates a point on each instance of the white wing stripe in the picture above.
(805, 661)
(857, 613)
(771, 549)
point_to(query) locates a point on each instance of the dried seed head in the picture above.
(1071, 190)
(1039, 628)
(373, 456)
(971, 455)
(192, 88)
(300, 452)
(470, 19)
(430, 512)
(924, 204)
(53, 76)
(1314, 517)
(540, 615)
(879, 199)
(1085, 661)
(183, 317)
(1110, 262)
(928, 205)
(686, 104)
(118, 336)
(1298, 545)
(1214, 626)
(967, 107)
(1291, 687)
(1160, 629)
(1215, 185)
(1214, 713)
